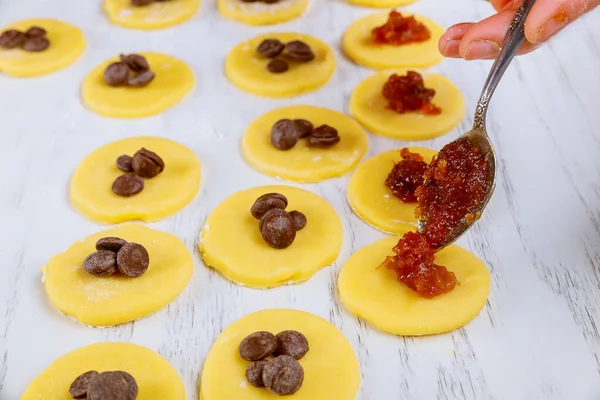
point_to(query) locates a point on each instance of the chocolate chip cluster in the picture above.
(283, 375)
(143, 164)
(115, 254)
(139, 3)
(277, 226)
(294, 51)
(286, 133)
(34, 39)
(110, 385)
(133, 70)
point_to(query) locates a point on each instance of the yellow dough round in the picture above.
(247, 69)
(116, 299)
(259, 13)
(381, 3)
(331, 370)
(304, 163)
(158, 15)
(360, 47)
(373, 201)
(155, 377)
(167, 193)
(231, 242)
(373, 293)
(369, 107)
(67, 44)
(174, 79)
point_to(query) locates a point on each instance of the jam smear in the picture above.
(399, 30)
(406, 176)
(457, 187)
(408, 93)
(414, 266)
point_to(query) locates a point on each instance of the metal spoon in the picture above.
(510, 45)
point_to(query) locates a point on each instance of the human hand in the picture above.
(482, 40)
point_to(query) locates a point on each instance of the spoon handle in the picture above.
(515, 36)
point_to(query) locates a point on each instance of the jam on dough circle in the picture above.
(158, 15)
(247, 69)
(231, 242)
(373, 293)
(113, 300)
(155, 377)
(331, 369)
(381, 3)
(167, 193)
(369, 107)
(259, 13)
(304, 163)
(67, 44)
(174, 79)
(359, 46)
(373, 201)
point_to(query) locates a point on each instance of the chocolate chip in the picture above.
(324, 136)
(108, 385)
(284, 134)
(257, 346)
(110, 243)
(277, 228)
(133, 387)
(254, 373)
(299, 219)
(270, 48)
(101, 262)
(79, 387)
(147, 164)
(278, 66)
(135, 62)
(141, 2)
(11, 39)
(125, 163)
(36, 44)
(133, 260)
(270, 1)
(291, 343)
(299, 51)
(128, 185)
(283, 375)
(141, 80)
(305, 127)
(116, 74)
(267, 202)
(35, 31)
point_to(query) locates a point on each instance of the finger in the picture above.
(549, 16)
(450, 40)
(500, 5)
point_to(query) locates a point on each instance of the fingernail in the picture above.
(451, 48)
(552, 26)
(480, 49)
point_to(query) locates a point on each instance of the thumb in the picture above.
(549, 16)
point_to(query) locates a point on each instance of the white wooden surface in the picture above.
(538, 336)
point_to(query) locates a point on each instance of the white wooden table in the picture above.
(537, 337)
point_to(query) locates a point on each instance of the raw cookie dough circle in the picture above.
(331, 369)
(113, 300)
(373, 201)
(373, 293)
(155, 377)
(259, 13)
(381, 3)
(158, 15)
(247, 69)
(167, 193)
(67, 44)
(359, 46)
(369, 107)
(304, 163)
(231, 242)
(174, 79)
